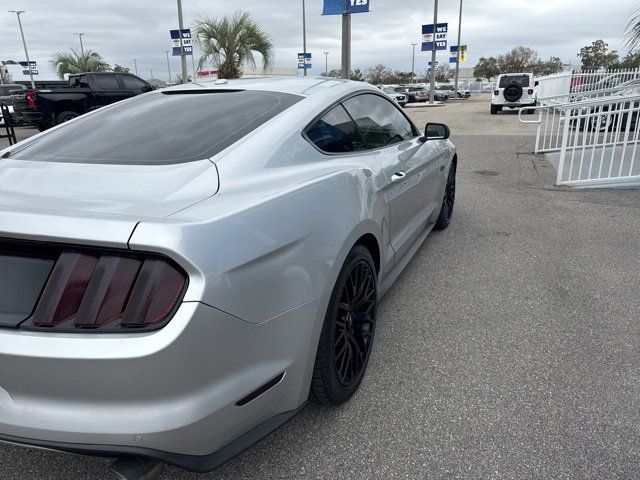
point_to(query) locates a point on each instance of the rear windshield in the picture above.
(522, 80)
(161, 128)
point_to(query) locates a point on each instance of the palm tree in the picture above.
(633, 32)
(231, 42)
(74, 62)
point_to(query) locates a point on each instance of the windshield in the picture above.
(446, 87)
(522, 80)
(388, 90)
(160, 128)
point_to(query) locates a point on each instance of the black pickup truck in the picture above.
(46, 108)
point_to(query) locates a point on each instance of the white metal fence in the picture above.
(594, 140)
(580, 85)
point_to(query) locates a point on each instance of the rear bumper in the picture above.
(196, 463)
(168, 394)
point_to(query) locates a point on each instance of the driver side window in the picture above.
(380, 123)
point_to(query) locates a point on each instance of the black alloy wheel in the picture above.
(354, 324)
(448, 202)
(348, 330)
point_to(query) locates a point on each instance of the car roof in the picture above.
(293, 85)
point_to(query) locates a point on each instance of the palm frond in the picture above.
(632, 32)
(231, 43)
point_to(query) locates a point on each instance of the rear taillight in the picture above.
(496, 92)
(530, 91)
(108, 292)
(30, 97)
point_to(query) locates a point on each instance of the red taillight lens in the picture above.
(156, 292)
(530, 91)
(65, 289)
(496, 92)
(30, 97)
(108, 292)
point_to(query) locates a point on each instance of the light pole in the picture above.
(135, 65)
(151, 74)
(432, 86)
(326, 64)
(346, 45)
(459, 48)
(168, 65)
(304, 38)
(24, 43)
(183, 58)
(81, 46)
(413, 63)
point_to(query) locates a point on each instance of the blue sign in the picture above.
(187, 44)
(304, 61)
(434, 38)
(30, 67)
(340, 7)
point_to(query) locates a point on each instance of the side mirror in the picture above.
(536, 83)
(436, 131)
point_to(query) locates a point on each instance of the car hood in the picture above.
(83, 195)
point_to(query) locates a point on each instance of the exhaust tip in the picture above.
(136, 468)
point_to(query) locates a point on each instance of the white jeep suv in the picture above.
(514, 90)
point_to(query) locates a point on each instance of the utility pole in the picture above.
(346, 45)
(326, 63)
(24, 43)
(413, 63)
(304, 38)
(183, 58)
(152, 74)
(432, 87)
(81, 46)
(459, 48)
(168, 65)
(135, 65)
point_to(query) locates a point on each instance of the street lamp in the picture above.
(304, 39)
(24, 43)
(168, 65)
(81, 46)
(135, 65)
(413, 64)
(326, 64)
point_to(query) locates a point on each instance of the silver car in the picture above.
(183, 271)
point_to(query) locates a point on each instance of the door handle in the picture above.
(398, 176)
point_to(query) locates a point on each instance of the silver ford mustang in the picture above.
(182, 271)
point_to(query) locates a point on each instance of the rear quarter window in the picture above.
(164, 127)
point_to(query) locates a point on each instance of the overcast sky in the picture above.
(122, 30)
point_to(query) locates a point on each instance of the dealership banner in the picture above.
(304, 61)
(434, 37)
(187, 44)
(30, 67)
(454, 54)
(340, 7)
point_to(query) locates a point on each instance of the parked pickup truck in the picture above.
(46, 108)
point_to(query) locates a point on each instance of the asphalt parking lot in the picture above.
(509, 348)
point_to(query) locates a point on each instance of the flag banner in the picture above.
(304, 61)
(30, 67)
(454, 54)
(434, 37)
(187, 44)
(339, 7)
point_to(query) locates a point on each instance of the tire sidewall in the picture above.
(338, 392)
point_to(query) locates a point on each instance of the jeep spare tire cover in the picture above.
(513, 92)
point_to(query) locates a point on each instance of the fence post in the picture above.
(563, 148)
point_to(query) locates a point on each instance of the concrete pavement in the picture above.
(509, 347)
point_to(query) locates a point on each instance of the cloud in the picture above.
(123, 30)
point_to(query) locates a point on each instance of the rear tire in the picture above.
(348, 330)
(66, 116)
(42, 126)
(448, 202)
